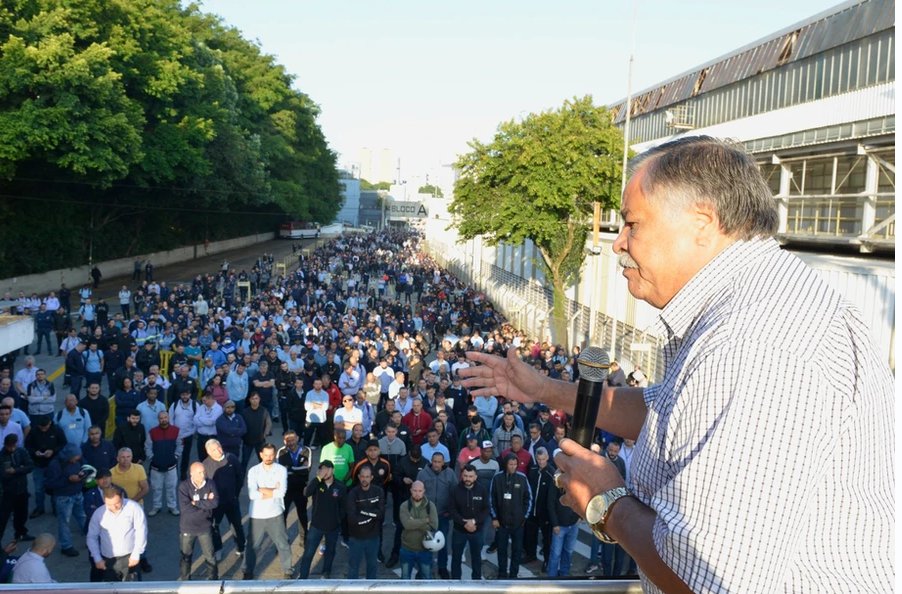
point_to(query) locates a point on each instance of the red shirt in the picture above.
(524, 459)
(334, 398)
(414, 422)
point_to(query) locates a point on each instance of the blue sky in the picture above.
(423, 78)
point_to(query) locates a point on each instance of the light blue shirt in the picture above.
(236, 386)
(20, 418)
(150, 413)
(116, 535)
(31, 569)
(93, 360)
(74, 425)
(428, 450)
(276, 478)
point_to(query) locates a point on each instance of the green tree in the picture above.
(145, 125)
(538, 179)
(365, 185)
(431, 189)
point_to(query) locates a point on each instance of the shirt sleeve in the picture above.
(140, 533)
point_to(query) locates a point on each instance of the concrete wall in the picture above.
(76, 277)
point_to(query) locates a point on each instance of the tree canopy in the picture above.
(431, 189)
(365, 185)
(538, 179)
(159, 123)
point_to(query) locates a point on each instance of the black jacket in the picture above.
(98, 408)
(511, 499)
(227, 475)
(472, 503)
(540, 482)
(75, 363)
(259, 425)
(197, 506)
(296, 410)
(409, 469)
(132, 437)
(328, 504)
(366, 510)
(20, 461)
(40, 441)
(558, 513)
(298, 474)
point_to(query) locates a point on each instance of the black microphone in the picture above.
(594, 364)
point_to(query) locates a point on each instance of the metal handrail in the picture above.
(563, 586)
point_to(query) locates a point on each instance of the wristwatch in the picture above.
(599, 509)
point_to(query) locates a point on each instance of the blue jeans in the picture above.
(363, 548)
(422, 559)
(38, 477)
(444, 526)
(611, 559)
(516, 541)
(66, 507)
(314, 536)
(458, 541)
(562, 546)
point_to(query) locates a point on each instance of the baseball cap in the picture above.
(544, 408)
(471, 436)
(487, 444)
(372, 443)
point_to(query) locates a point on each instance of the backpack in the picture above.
(7, 568)
(428, 506)
(59, 414)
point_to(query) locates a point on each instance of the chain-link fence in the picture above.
(527, 305)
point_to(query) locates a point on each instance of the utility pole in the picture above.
(629, 100)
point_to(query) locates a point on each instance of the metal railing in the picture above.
(562, 586)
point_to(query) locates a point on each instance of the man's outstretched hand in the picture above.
(502, 376)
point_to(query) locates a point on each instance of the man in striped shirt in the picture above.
(705, 511)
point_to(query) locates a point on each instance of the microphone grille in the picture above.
(594, 364)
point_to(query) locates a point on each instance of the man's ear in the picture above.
(705, 224)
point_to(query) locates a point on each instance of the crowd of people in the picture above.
(355, 354)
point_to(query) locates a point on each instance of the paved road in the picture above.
(163, 544)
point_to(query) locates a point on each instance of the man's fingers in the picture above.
(571, 448)
(478, 357)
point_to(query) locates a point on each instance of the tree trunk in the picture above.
(559, 312)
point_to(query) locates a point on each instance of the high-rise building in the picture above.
(365, 156)
(386, 166)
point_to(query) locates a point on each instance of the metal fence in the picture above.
(527, 304)
(560, 586)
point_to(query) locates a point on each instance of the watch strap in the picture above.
(610, 497)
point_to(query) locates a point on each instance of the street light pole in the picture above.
(629, 100)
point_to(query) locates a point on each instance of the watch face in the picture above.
(595, 510)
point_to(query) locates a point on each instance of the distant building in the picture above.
(386, 167)
(365, 156)
(370, 213)
(350, 191)
(815, 103)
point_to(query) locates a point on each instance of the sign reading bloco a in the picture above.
(407, 210)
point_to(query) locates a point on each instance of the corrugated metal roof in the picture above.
(845, 23)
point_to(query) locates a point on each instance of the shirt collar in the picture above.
(678, 315)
